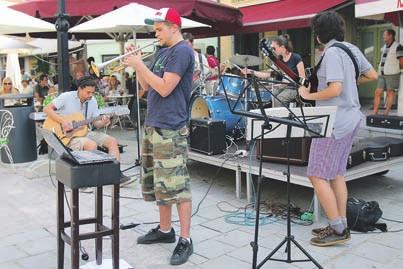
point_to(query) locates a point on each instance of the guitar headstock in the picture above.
(266, 49)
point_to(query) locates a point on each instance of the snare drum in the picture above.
(232, 84)
(216, 108)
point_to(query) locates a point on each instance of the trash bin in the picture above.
(22, 138)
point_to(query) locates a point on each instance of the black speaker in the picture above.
(207, 136)
(274, 150)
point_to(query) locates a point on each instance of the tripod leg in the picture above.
(254, 244)
(306, 253)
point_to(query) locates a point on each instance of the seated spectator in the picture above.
(25, 86)
(41, 90)
(7, 87)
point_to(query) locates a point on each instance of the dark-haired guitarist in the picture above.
(82, 101)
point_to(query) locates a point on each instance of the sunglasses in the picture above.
(8, 83)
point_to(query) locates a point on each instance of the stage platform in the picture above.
(250, 166)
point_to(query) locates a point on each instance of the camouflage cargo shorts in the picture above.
(164, 175)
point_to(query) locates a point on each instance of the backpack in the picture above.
(362, 216)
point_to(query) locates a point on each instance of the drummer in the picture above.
(283, 47)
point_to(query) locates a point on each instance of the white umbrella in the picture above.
(13, 69)
(14, 22)
(46, 46)
(11, 44)
(12, 47)
(127, 19)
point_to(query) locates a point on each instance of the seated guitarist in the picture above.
(282, 46)
(82, 101)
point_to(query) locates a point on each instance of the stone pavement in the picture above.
(28, 223)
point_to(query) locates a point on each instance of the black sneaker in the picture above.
(156, 236)
(182, 252)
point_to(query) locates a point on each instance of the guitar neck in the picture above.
(78, 124)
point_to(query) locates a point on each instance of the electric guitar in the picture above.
(79, 126)
(267, 51)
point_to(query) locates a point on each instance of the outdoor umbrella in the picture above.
(48, 46)
(10, 44)
(12, 47)
(223, 19)
(126, 19)
(12, 22)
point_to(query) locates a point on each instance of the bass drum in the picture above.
(216, 108)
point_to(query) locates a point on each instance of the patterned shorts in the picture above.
(164, 175)
(328, 156)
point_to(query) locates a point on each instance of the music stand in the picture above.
(292, 120)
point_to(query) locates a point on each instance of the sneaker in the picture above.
(317, 231)
(156, 236)
(125, 180)
(182, 252)
(329, 237)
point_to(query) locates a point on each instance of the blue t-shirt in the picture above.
(171, 112)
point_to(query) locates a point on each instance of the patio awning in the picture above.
(285, 14)
(388, 10)
(223, 19)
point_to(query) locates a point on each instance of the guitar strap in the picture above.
(349, 53)
(86, 109)
(92, 128)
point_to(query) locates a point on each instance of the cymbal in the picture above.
(245, 60)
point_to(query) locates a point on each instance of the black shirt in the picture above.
(294, 60)
(292, 63)
(42, 91)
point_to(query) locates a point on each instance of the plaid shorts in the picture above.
(328, 156)
(164, 175)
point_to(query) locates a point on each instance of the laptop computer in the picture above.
(78, 157)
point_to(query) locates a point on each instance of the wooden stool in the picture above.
(82, 176)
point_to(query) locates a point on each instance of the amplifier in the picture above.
(274, 150)
(207, 136)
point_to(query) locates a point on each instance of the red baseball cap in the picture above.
(165, 14)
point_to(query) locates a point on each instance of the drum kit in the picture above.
(209, 100)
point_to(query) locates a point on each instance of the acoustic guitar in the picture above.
(267, 51)
(79, 126)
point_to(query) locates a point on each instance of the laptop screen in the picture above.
(56, 144)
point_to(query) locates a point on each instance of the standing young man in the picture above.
(328, 156)
(165, 177)
(389, 70)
